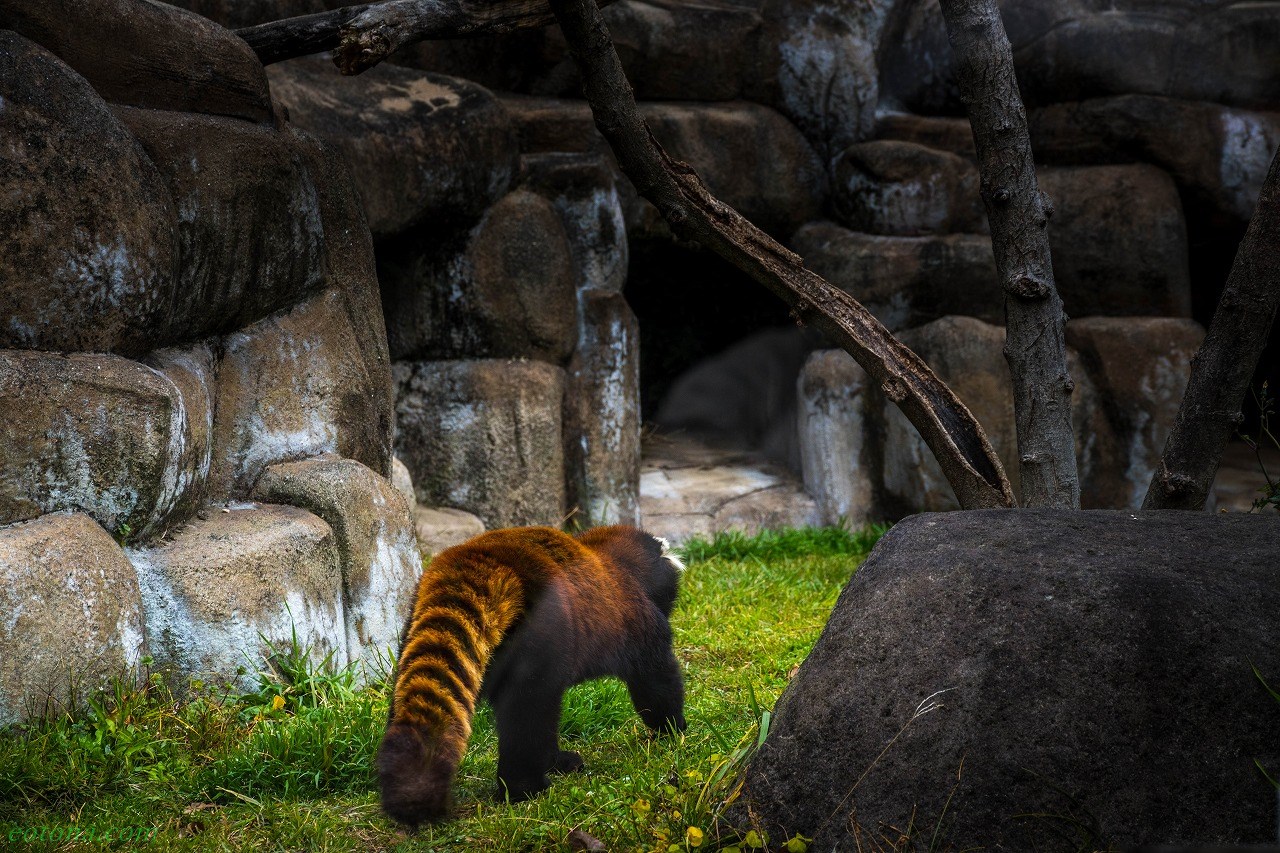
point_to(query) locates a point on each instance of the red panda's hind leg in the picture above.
(657, 690)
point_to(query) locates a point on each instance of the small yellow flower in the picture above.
(641, 806)
(277, 703)
(694, 836)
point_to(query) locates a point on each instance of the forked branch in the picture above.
(952, 433)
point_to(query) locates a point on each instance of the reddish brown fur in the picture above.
(518, 616)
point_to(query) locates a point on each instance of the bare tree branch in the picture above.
(1222, 369)
(362, 36)
(952, 433)
(1035, 347)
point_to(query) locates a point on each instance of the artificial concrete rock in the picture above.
(402, 480)
(230, 588)
(378, 550)
(968, 355)
(247, 13)
(422, 148)
(1118, 241)
(837, 455)
(506, 289)
(484, 436)
(439, 528)
(1067, 51)
(602, 413)
(292, 386)
(250, 233)
(123, 442)
(92, 269)
(1140, 367)
(1037, 680)
(583, 188)
(689, 490)
(906, 189)
(749, 156)
(906, 281)
(1217, 155)
(147, 54)
(73, 617)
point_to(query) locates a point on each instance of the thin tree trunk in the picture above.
(951, 432)
(1223, 368)
(1035, 347)
(362, 36)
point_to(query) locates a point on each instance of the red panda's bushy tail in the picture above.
(466, 601)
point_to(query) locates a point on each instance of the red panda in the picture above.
(518, 617)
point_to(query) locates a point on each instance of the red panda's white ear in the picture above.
(669, 555)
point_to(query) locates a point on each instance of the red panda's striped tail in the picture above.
(465, 603)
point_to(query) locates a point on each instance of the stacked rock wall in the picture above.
(196, 402)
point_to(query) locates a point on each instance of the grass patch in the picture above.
(289, 765)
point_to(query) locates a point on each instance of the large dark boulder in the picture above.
(1090, 679)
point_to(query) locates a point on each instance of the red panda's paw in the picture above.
(518, 790)
(567, 762)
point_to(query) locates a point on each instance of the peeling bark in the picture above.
(363, 36)
(1035, 347)
(1223, 368)
(952, 433)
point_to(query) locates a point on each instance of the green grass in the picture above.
(288, 767)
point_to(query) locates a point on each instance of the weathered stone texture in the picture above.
(583, 188)
(422, 148)
(1217, 155)
(688, 489)
(88, 249)
(72, 614)
(967, 354)
(1067, 51)
(906, 189)
(484, 436)
(292, 386)
(1119, 241)
(602, 413)
(750, 156)
(378, 550)
(506, 291)
(1140, 367)
(837, 454)
(249, 226)
(1044, 680)
(906, 281)
(245, 574)
(439, 528)
(147, 54)
(125, 443)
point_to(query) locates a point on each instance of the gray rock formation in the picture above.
(484, 436)
(423, 149)
(377, 545)
(1037, 680)
(73, 616)
(243, 574)
(89, 270)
